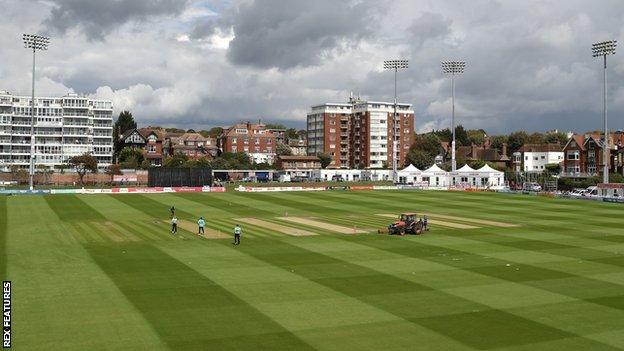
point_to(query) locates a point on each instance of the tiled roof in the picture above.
(129, 132)
(231, 132)
(541, 148)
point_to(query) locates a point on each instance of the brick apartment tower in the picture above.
(360, 134)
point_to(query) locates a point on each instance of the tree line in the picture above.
(427, 146)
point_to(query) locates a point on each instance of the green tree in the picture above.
(556, 138)
(516, 140)
(324, 158)
(146, 164)
(498, 141)
(476, 136)
(291, 134)
(62, 167)
(275, 126)
(283, 150)
(444, 135)
(125, 122)
(263, 165)
(461, 137)
(212, 132)
(130, 157)
(112, 170)
(176, 160)
(82, 164)
(553, 168)
(429, 143)
(536, 138)
(419, 158)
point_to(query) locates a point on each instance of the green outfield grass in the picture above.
(98, 272)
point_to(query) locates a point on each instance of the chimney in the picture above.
(504, 153)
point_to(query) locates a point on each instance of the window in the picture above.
(573, 155)
(573, 169)
(526, 158)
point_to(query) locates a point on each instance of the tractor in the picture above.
(408, 223)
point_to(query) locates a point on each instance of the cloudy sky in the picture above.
(201, 63)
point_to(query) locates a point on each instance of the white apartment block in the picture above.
(535, 157)
(64, 127)
(377, 139)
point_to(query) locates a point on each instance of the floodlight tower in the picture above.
(34, 42)
(453, 68)
(395, 65)
(603, 49)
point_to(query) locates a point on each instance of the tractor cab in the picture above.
(404, 225)
(407, 218)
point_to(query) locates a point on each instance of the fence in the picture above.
(170, 177)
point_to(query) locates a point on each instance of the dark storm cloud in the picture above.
(428, 26)
(286, 34)
(98, 18)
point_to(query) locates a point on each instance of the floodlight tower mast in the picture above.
(395, 65)
(34, 42)
(602, 49)
(453, 68)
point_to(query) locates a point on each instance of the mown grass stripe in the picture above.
(152, 208)
(72, 208)
(96, 232)
(122, 232)
(249, 230)
(225, 204)
(77, 232)
(107, 231)
(157, 232)
(555, 281)
(188, 310)
(367, 286)
(135, 231)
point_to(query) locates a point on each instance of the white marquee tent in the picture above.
(491, 177)
(410, 175)
(466, 176)
(435, 176)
